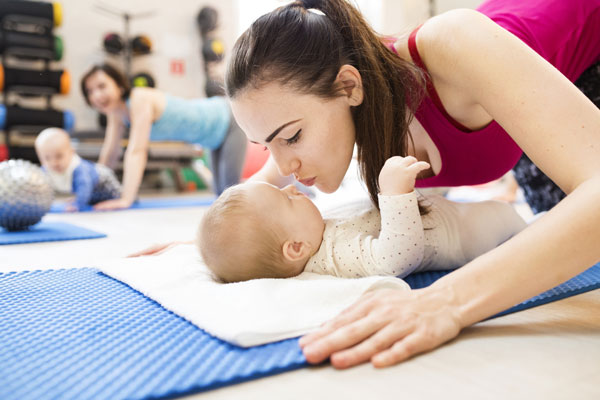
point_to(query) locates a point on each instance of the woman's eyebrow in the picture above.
(276, 131)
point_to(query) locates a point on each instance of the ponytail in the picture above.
(296, 47)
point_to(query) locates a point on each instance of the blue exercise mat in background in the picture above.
(170, 202)
(47, 232)
(79, 334)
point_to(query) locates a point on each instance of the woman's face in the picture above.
(103, 92)
(308, 136)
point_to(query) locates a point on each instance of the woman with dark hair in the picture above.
(153, 115)
(467, 91)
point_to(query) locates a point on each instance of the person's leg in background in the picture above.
(228, 160)
(540, 192)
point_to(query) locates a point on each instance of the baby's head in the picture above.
(256, 230)
(53, 148)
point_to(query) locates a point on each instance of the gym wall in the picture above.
(172, 30)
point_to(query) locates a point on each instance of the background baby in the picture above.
(70, 174)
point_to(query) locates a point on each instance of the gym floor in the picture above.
(548, 352)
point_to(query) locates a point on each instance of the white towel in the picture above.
(245, 313)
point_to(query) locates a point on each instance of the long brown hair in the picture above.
(305, 50)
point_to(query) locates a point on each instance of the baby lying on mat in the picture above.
(68, 173)
(256, 230)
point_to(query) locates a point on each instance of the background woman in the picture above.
(154, 115)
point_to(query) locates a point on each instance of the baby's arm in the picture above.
(399, 248)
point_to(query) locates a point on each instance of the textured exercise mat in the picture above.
(79, 334)
(47, 232)
(584, 282)
(170, 202)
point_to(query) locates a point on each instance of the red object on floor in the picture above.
(256, 157)
(3, 152)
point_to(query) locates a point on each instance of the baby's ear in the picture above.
(294, 251)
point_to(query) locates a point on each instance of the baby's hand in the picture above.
(398, 175)
(71, 208)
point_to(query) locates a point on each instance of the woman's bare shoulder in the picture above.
(446, 39)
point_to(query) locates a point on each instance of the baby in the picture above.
(255, 230)
(68, 173)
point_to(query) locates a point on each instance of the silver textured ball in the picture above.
(25, 194)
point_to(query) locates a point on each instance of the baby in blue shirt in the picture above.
(69, 174)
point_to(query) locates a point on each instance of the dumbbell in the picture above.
(113, 43)
(213, 50)
(141, 45)
(32, 45)
(59, 80)
(14, 116)
(142, 79)
(207, 20)
(50, 11)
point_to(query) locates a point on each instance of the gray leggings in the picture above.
(228, 160)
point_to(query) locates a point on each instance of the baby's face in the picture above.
(290, 208)
(56, 157)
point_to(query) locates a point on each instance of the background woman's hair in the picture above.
(112, 72)
(304, 50)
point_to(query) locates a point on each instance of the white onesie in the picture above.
(399, 240)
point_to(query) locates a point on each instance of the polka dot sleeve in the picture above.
(400, 246)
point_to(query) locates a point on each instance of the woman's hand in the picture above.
(158, 248)
(386, 327)
(114, 204)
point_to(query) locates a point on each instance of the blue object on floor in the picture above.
(584, 282)
(170, 202)
(48, 232)
(79, 334)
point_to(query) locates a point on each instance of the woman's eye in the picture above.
(294, 138)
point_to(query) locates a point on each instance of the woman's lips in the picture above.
(308, 182)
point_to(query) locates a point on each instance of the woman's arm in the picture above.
(136, 155)
(112, 141)
(559, 129)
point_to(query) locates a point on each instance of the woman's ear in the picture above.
(295, 251)
(350, 80)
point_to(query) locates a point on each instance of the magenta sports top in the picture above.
(565, 32)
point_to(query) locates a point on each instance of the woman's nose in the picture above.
(287, 167)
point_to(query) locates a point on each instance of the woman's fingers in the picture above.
(349, 315)
(342, 338)
(378, 342)
(402, 350)
(388, 327)
(152, 250)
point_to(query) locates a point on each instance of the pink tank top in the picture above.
(564, 32)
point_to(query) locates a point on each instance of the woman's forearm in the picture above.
(555, 248)
(133, 172)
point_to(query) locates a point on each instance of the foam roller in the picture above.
(13, 116)
(49, 11)
(59, 81)
(32, 45)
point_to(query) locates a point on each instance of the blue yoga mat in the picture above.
(79, 334)
(150, 203)
(48, 232)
